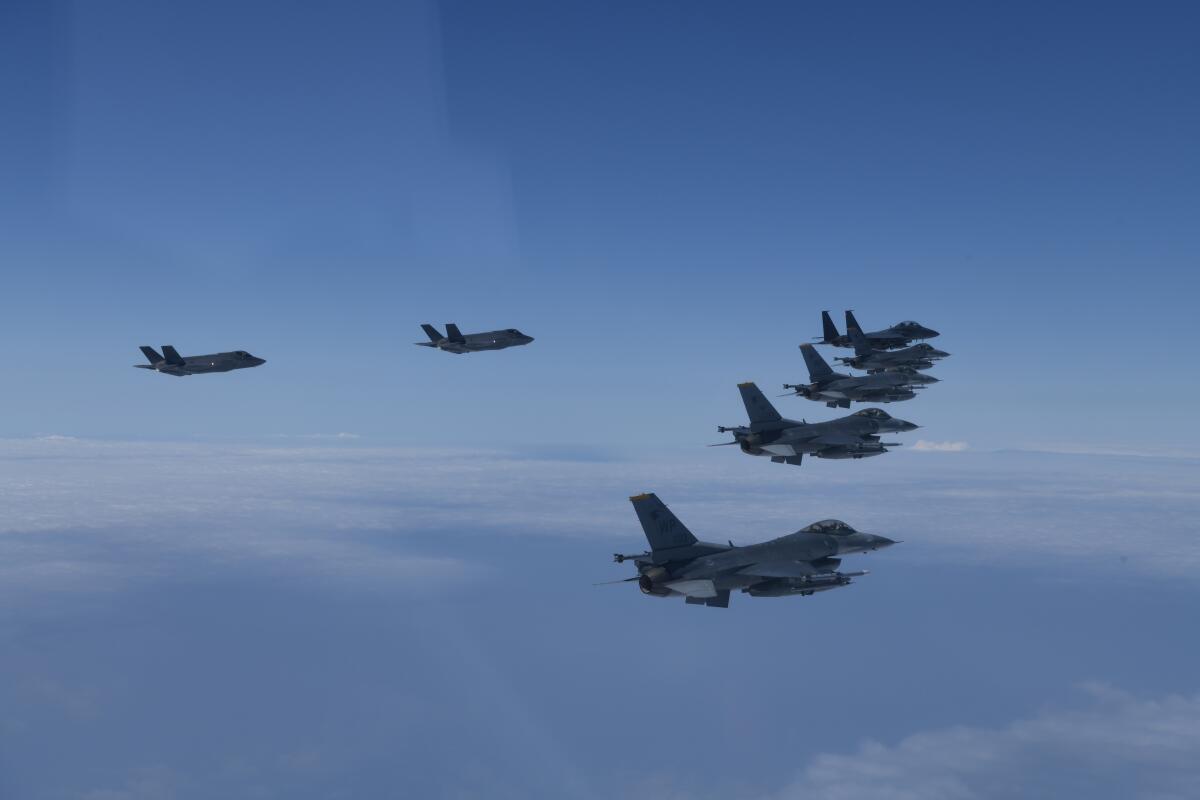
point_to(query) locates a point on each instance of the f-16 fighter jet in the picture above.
(172, 363)
(802, 563)
(919, 356)
(786, 441)
(901, 334)
(455, 342)
(838, 391)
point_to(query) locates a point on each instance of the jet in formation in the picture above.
(838, 390)
(918, 356)
(456, 342)
(899, 335)
(787, 441)
(172, 363)
(802, 563)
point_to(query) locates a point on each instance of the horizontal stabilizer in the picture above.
(693, 588)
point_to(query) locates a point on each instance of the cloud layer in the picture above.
(1119, 746)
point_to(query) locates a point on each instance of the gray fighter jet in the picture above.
(837, 390)
(800, 563)
(171, 363)
(786, 441)
(455, 342)
(916, 357)
(901, 334)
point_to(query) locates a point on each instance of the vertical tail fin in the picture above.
(151, 354)
(453, 333)
(172, 355)
(432, 333)
(851, 322)
(861, 346)
(663, 529)
(758, 407)
(830, 330)
(817, 368)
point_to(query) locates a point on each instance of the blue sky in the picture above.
(337, 574)
(664, 197)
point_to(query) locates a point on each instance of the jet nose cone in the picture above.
(931, 333)
(939, 353)
(905, 425)
(258, 362)
(882, 541)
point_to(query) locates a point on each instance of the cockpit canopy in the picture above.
(832, 527)
(514, 332)
(241, 354)
(873, 413)
(908, 323)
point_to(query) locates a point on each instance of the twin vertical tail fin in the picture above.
(172, 355)
(453, 333)
(851, 322)
(758, 407)
(861, 346)
(432, 333)
(151, 354)
(663, 529)
(817, 368)
(830, 330)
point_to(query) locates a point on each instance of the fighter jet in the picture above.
(800, 563)
(838, 391)
(901, 334)
(786, 441)
(171, 363)
(456, 342)
(917, 357)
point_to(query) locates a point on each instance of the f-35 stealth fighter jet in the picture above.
(901, 334)
(786, 441)
(802, 563)
(172, 363)
(919, 356)
(838, 391)
(455, 342)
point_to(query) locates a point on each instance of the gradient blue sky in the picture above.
(665, 195)
(205, 591)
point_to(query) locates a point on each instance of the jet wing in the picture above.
(779, 569)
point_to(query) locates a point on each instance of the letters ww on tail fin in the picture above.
(758, 407)
(663, 529)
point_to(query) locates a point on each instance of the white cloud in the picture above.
(926, 446)
(111, 509)
(1118, 746)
